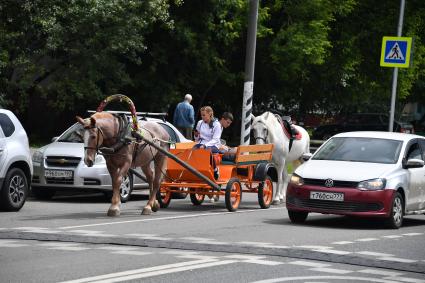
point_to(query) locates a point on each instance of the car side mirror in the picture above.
(415, 163)
(54, 139)
(306, 156)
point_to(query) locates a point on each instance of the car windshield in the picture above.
(359, 149)
(73, 134)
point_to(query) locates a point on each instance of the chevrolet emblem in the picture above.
(62, 161)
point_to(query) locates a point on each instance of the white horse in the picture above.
(267, 129)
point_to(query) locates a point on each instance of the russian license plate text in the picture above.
(58, 174)
(327, 196)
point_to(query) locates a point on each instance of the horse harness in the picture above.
(124, 137)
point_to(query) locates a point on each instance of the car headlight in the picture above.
(296, 180)
(37, 157)
(99, 159)
(373, 184)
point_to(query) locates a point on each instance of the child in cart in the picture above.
(208, 133)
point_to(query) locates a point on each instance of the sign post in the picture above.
(394, 55)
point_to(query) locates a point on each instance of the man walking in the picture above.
(184, 117)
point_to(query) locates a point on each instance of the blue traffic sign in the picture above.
(396, 51)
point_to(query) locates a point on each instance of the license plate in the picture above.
(58, 174)
(327, 196)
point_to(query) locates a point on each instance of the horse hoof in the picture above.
(155, 206)
(146, 211)
(114, 212)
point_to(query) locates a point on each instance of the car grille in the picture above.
(334, 205)
(91, 182)
(60, 181)
(62, 161)
(339, 184)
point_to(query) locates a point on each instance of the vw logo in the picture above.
(329, 183)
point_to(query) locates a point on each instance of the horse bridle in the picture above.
(99, 130)
(261, 138)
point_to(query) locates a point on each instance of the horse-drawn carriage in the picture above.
(128, 145)
(249, 171)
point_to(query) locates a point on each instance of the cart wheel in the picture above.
(197, 199)
(265, 192)
(233, 194)
(164, 197)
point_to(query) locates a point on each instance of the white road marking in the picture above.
(329, 251)
(11, 244)
(152, 271)
(321, 278)
(314, 247)
(243, 256)
(309, 263)
(374, 254)
(129, 252)
(196, 239)
(367, 240)
(89, 233)
(214, 243)
(331, 270)
(63, 246)
(253, 243)
(342, 243)
(397, 259)
(38, 230)
(412, 234)
(178, 252)
(170, 218)
(148, 237)
(392, 236)
(380, 272)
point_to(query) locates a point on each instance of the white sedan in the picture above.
(365, 174)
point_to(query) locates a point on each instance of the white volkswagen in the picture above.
(365, 174)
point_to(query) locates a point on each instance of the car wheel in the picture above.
(15, 190)
(397, 212)
(126, 188)
(42, 193)
(297, 216)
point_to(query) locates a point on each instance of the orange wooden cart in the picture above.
(250, 171)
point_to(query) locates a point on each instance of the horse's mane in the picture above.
(267, 118)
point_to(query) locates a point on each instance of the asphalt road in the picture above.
(70, 238)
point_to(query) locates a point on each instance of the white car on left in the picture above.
(60, 166)
(15, 163)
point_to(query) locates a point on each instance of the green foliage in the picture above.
(312, 55)
(70, 51)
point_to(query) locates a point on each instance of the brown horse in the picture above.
(107, 132)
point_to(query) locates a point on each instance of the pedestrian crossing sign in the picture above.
(396, 51)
